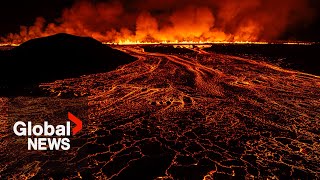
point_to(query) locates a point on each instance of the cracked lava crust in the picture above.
(196, 115)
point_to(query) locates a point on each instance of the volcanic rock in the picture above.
(229, 118)
(56, 57)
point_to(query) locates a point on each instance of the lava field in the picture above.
(191, 115)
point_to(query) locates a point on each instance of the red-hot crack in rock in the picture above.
(195, 115)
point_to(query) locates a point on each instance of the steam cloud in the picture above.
(173, 20)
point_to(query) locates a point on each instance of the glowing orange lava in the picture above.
(128, 42)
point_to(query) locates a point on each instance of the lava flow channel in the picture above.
(196, 115)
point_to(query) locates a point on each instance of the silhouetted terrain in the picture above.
(56, 57)
(303, 58)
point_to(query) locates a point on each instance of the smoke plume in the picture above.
(173, 20)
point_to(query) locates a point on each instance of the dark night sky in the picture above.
(14, 13)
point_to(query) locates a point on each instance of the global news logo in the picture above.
(47, 136)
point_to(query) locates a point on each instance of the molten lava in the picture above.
(195, 115)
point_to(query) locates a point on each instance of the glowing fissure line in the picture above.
(127, 42)
(7, 44)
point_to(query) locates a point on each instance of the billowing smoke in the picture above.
(173, 20)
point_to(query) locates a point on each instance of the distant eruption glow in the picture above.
(172, 21)
(127, 42)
